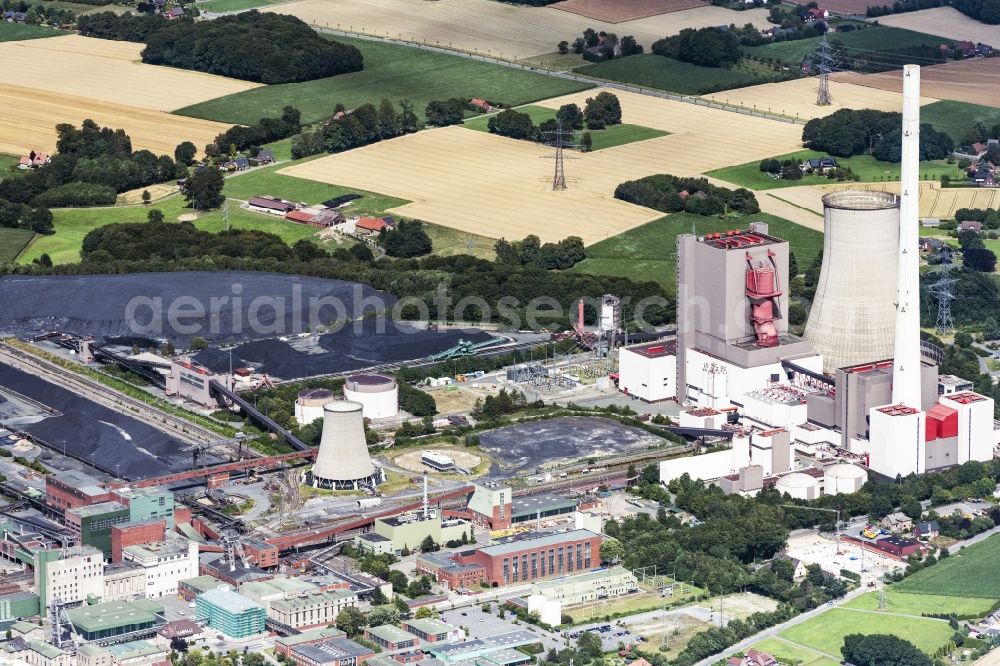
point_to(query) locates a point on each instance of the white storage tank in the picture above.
(798, 485)
(309, 404)
(378, 395)
(843, 478)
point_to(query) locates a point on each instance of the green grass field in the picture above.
(826, 632)
(80, 8)
(15, 32)
(789, 653)
(655, 71)
(970, 573)
(920, 604)
(8, 164)
(448, 242)
(12, 242)
(649, 252)
(615, 135)
(866, 167)
(231, 5)
(958, 118)
(393, 72)
(872, 39)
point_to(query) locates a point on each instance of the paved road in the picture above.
(773, 631)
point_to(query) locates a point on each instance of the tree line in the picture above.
(597, 46)
(987, 11)
(671, 194)
(253, 46)
(251, 137)
(531, 252)
(42, 13)
(599, 112)
(366, 124)
(708, 47)
(850, 132)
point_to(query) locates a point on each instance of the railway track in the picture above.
(105, 396)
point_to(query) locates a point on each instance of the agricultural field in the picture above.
(655, 71)
(13, 32)
(825, 633)
(921, 604)
(944, 22)
(867, 168)
(497, 28)
(790, 653)
(12, 242)
(649, 251)
(958, 118)
(969, 573)
(625, 10)
(28, 119)
(391, 71)
(797, 98)
(232, 5)
(107, 71)
(847, 6)
(448, 242)
(81, 8)
(874, 38)
(972, 81)
(609, 137)
(488, 185)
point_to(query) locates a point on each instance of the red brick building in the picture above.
(517, 561)
(72, 489)
(138, 533)
(261, 553)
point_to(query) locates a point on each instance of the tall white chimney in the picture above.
(906, 366)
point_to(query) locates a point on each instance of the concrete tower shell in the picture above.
(853, 316)
(343, 460)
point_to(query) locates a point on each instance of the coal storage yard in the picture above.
(97, 305)
(91, 432)
(371, 342)
(529, 445)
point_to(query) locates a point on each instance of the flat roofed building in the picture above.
(166, 563)
(93, 523)
(390, 637)
(370, 542)
(115, 618)
(490, 504)
(71, 488)
(311, 609)
(70, 574)
(525, 560)
(587, 587)
(132, 653)
(189, 588)
(230, 613)
(430, 630)
(124, 581)
(544, 505)
(648, 371)
(283, 645)
(332, 652)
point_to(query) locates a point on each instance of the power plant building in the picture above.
(310, 403)
(648, 371)
(377, 394)
(342, 462)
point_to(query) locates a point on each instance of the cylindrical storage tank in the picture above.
(853, 315)
(843, 479)
(343, 461)
(309, 404)
(798, 486)
(378, 395)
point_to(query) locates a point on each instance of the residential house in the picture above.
(370, 226)
(897, 522)
(931, 244)
(264, 156)
(970, 225)
(820, 164)
(15, 17)
(983, 174)
(927, 530)
(817, 14)
(753, 658)
(174, 13)
(480, 105)
(966, 48)
(33, 160)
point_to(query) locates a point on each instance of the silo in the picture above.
(843, 478)
(378, 395)
(309, 404)
(853, 314)
(798, 485)
(343, 461)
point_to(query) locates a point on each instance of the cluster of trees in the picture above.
(594, 45)
(850, 132)
(990, 217)
(665, 193)
(444, 112)
(42, 13)
(503, 403)
(987, 11)
(251, 137)
(364, 125)
(708, 47)
(975, 256)
(414, 400)
(784, 169)
(91, 166)
(254, 46)
(530, 252)
(22, 216)
(899, 7)
(407, 239)
(598, 113)
(882, 650)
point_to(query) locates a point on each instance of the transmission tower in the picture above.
(943, 292)
(560, 143)
(826, 61)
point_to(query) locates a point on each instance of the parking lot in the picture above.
(485, 625)
(611, 634)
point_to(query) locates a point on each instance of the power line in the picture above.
(826, 62)
(559, 177)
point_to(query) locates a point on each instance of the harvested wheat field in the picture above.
(945, 22)
(107, 71)
(798, 98)
(856, 7)
(976, 80)
(625, 10)
(28, 119)
(498, 28)
(156, 192)
(934, 201)
(498, 187)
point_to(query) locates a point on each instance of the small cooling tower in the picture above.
(853, 314)
(343, 461)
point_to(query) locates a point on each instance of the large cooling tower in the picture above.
(343, 460)
(853, 315)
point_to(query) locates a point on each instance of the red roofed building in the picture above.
(299, 216)
(753, 658)
(480, 104)
(370, 225)
(32, 160)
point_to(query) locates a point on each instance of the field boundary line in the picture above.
(503, 62)
(821, 653)
(808, 210)
(887, 613)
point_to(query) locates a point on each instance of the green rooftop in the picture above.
(114, 614)
(429, 626)
(204, 583)
(46, 650)
(309, 636)
(97, 509)
(134, 650)
(283, 586)
(293, 603)
(391, 634)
